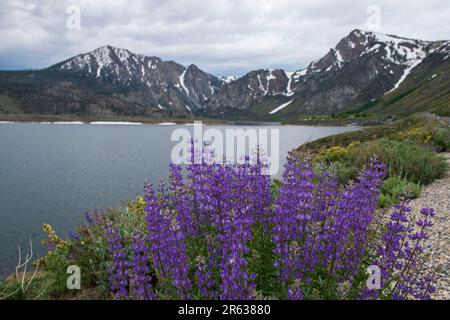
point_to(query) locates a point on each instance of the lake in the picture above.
(53, 173)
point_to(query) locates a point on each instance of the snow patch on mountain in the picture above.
(339, 59)
(228, 79)
(281, 107)
(444, 49)
(122, 54)
(211, 87)
(270, 76)
(298, 74)
(374, 48)
(406, 73)
(261, 87)
(182, 81)
(290, 76)
(400, 51)
(102, 58)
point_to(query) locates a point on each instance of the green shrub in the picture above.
(403, 158)
(415, 163)
(11, 291)
(90, 251)
(56, 261)
(395, 187)
(33, 288)
(88, 248)
(363, 152)
(441, 138)
(274, 187)
(385, 201)
(419, 130)
(432, 134)
(344, 172)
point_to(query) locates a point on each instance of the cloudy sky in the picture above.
(220, 36)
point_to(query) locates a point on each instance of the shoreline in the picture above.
(131, 123)
(93, 120)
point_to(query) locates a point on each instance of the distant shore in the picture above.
(76, 119)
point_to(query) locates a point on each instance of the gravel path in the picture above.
(437, 196)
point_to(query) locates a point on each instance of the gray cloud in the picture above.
(220, 36)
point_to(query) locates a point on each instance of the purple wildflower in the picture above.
(167, 243)
(200, 228)
(119, 269)
(141, 279)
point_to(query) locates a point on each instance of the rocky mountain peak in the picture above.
(391, 49)
(363, 66)
(165, 86)
(117, 64)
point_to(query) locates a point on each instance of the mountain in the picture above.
(111, 81)
(362, 68)
(365, 71)
(253, 89)
(426, 88)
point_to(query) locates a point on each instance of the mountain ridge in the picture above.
(361, 68)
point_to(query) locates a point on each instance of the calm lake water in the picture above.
(53, 173)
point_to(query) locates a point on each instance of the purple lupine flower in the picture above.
(141, 279)
(167, 242)
(119, 269)
(236, 283)
(398, 254)
(255, 187)
(74, 236)
(51, 246)
(295, 292)
(368, 294)
(180, 201)
(316, 225)
(292, 214)
(205, 280)
(88, 218)
(356, 210)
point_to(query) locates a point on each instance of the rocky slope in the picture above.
(426, 88)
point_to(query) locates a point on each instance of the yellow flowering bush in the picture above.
(435, 135)
(56, 261)
(54, 241)
(138, 205)
(332, 154)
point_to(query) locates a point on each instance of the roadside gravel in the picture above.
(437, 196)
